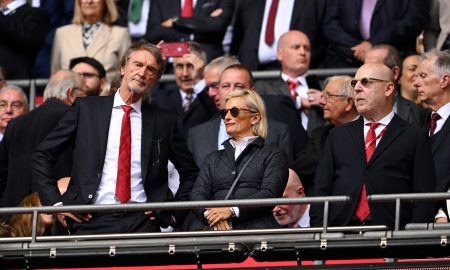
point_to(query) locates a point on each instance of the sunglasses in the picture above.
(366, 81)
(233, 111)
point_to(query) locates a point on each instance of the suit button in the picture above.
(90, 196)
(99, 175)
(233, 172)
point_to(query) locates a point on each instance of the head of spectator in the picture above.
(339, 100)
(234, 77)
(90, 12)
(408, 76)
(212, 73)
(13, 103)
(244, 115)
(433, 79)
(2, 79)
(141, 66)
(387, 55)
(294, 53)
(188, 68)
(66, 86)
(290, 214)
(22, 224)
(91, 72)
(374, 86)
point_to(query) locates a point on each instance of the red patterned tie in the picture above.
(434, 118)
(123, 185)
(292, 85)
(187, 9)
(270, 26)
(362, 210)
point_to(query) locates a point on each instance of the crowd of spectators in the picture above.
(217, 133)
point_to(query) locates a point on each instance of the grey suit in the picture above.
(203, 139)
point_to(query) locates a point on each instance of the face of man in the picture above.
(12, 105)
(294, 53)
(139, 73)
(230, 80)
(428, 84)
(373, 91)
(409, 74)
(91, 79)
(336, 104)
(185, 74)
(212, 77)
(290, 213)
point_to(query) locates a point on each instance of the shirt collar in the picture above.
(11, 7)
(245, 141)
(444, 111)
(118, 101)
(384, 121)
(301, 79)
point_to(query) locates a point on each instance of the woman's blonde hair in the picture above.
(109, 16)
(254, 103)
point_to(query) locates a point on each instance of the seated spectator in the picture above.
(408, 76)
(225, 174)
(91, 34)
(13, 103)
(92, 74)
(293, 215)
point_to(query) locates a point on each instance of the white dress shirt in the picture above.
(107, 188)
(11, 7)
(304, 221)
(302, 91)
(382, 125)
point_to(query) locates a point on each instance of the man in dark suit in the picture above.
(121, 149)
(353, 26)
(189, 101)
(339, 108)
(23, 31)
(25, 133)
(377, 154)
(294, 54)
(405, 109)
(206, 24)
(433, 85)
(252, 20)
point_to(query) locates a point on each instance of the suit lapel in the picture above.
(394, 129)
(103, 119)
(357, 134)
(148, 122)
(100, 40)
(75, 40)
(442, 134)
(298, 9)
(377, 6)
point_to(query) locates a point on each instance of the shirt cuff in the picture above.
(440, 214)
(236, 211)
(58, 204)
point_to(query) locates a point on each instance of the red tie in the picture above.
(187, 9)
(270, 36)
(123, 185)
(362, 209)
(434, 118)
(292, 85)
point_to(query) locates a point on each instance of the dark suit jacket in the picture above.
(200, 110)
(22, 34)
(401, 163)
(305, 162)
(87, 125)
(203, 139)
(22, 136)
(394, 22)
(207, 30)
(307, 16)
(280, 87)
(440, 147)
(410, 112)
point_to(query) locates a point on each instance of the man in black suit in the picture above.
(353, 26)
(23, 30)
(190, 101)
(121, 149)
(294, 54)
(250, 26)
(206, 24)
(405, 109)
(377, 154)
(433, 85)
(25, 133)
(338, 108)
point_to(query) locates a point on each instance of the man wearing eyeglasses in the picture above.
(92, 74)
(379, 153)
(13, 103)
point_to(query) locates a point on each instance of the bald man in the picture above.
(378, 153)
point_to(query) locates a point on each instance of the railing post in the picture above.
(326, 206)
(34, 228)
(32, 100)
(397, 214)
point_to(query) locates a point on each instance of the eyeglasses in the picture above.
(88, 75)
(366, 81)
(15, 106)
(214, 85)
(328, 96)
(233, 111)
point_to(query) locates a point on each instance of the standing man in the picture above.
(377, 154)
(433, 84)
(122, 146)
(92, 74)
(13, 103)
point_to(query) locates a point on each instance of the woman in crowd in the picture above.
(91, 34)
(262, 169)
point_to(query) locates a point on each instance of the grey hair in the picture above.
(345, 88)
(222, 62)
(17, 89)
(442, 63)
(60, 83)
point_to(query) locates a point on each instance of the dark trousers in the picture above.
(102, 223)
